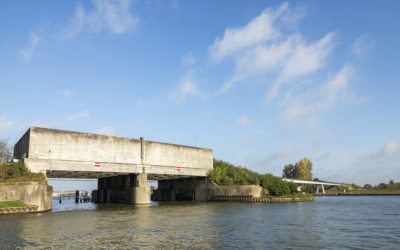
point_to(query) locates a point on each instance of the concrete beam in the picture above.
(68, 168)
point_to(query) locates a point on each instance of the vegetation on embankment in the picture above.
(17, 172)
(391, 188)
(224, 173)
(5, 204)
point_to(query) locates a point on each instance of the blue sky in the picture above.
(262, 83)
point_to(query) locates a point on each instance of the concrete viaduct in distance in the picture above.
(121, 165)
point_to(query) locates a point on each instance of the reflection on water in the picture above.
(328, 222)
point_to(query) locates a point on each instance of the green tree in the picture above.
(382, 186)
(392, 184)
(289, 171)
(301, 170)
(368, 186)
(224, 173)
(5, 152)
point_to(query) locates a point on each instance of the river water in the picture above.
(329, 222)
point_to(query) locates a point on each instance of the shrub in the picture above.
(11, 172)
(14, 172)
(224, 173)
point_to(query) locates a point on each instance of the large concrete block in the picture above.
(61, 153)
(254, 190)
(139, 195)
(31, 193)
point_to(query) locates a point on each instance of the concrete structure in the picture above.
(319, 184)
(196, 189)
(255, 191)
(201, 189)
(31, 193)
(122, 165)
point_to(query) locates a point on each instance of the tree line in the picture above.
(390, 185)
(224, 173)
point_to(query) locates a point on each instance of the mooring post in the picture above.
(77, 196)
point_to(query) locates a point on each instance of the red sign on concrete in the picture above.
(178, 168)
(97, 164)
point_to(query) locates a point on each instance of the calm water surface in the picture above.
(328, 222)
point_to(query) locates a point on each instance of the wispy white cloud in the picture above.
(66, 93)
(77, 116)
(188, 59)
(75, 25)
(111, 15)
(293, 15)
(309, 104)
(243, 121)
(304, 60)
(27, 53)
(5, 123)
(389, 149)
(377, 166)
(362, 45)
(261, 47)
(258, 30)
(393, 147)
(185, 88)
(105, 131)
(260, 60)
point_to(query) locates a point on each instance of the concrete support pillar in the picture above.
(123, 189)
(107, 196)
(197, 189)
(322, 188)
(139, 193)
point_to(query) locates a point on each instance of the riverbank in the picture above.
(31, 193)
(7, 204)
(22, 191)
(248, 198)
(14, 207)
(359, 194)
(372, 192)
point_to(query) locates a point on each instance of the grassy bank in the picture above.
(5, 204)
(17, 172)
(372, 192)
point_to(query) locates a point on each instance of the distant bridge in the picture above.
(320, 184)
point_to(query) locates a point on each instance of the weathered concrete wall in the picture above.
(165, 154)
(31, 193)
(130, 189)
(21, 149)
(254, 190)
(200, 189)
(67, 145)
(63, 153)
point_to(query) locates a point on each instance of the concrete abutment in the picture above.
(196, 189)
(129, 189)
